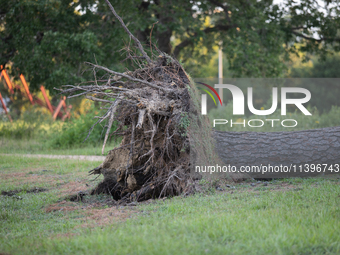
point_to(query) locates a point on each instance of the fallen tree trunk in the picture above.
(300, 150)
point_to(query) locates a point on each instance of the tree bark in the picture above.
(318, 146)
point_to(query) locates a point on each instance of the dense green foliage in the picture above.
(48, 40)
(72, 133)
(328, 68)
(30, 124)
(75, 131)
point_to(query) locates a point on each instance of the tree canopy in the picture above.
(49, 40)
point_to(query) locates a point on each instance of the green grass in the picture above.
(36, 146)
(17, 164)
(295, 216)
(22, 217)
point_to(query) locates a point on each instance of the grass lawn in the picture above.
(36, 146)
(296, 216)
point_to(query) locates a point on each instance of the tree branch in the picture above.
(129, 77)
(112, 113)
(314, 39)
(140, 47)
(208, 30)
(140, 118)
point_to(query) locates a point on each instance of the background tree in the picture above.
(48, 41)
(316, 68)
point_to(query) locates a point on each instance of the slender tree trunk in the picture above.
(318, 146)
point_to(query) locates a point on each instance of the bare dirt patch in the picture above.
(103, 217)
(28, 177)
(94, 214)
(16, 191)
(64, 206)
(73, 187)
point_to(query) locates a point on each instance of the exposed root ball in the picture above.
(153, 158)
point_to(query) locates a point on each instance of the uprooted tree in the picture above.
(158, 115)
(164, 134)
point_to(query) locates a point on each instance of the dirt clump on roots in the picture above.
(153, 159)
(157, 110)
